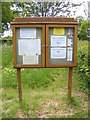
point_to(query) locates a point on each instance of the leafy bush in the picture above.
(83, 31)
(7, 40)
(82, 66)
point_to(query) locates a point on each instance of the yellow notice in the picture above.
(58, 31)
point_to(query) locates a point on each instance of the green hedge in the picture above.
(82, 66)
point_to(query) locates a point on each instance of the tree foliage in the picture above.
(7, 15)
(38, 9)
(83, 31)
(45, 9)
(79, 19)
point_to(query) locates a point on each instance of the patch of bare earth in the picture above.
(52, 108)
(84, 99)
(80, 94)
(6, 111)
(1, 90)
(3, 102)
(7, 101)
(20, 114)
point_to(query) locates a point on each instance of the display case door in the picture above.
(29, 46)
(61, 45)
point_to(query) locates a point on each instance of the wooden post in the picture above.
(70, 72)
(19, 84)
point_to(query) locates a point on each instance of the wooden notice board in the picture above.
(45, 42)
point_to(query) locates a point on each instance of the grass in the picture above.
(44, 92)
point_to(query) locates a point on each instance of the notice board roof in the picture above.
(41, 20)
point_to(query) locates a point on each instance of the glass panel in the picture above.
(61, 45)
(28, 46)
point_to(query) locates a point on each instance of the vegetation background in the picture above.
(44, 90)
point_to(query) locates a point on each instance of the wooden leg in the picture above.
(70, 72)
(19, 84)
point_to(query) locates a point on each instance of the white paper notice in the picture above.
(30, 59)
(58, 40)
(58, 53)
(29, 47)
(69, 54)
(70, 42)
(27, 32)
(23, 48)
(34, 47)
